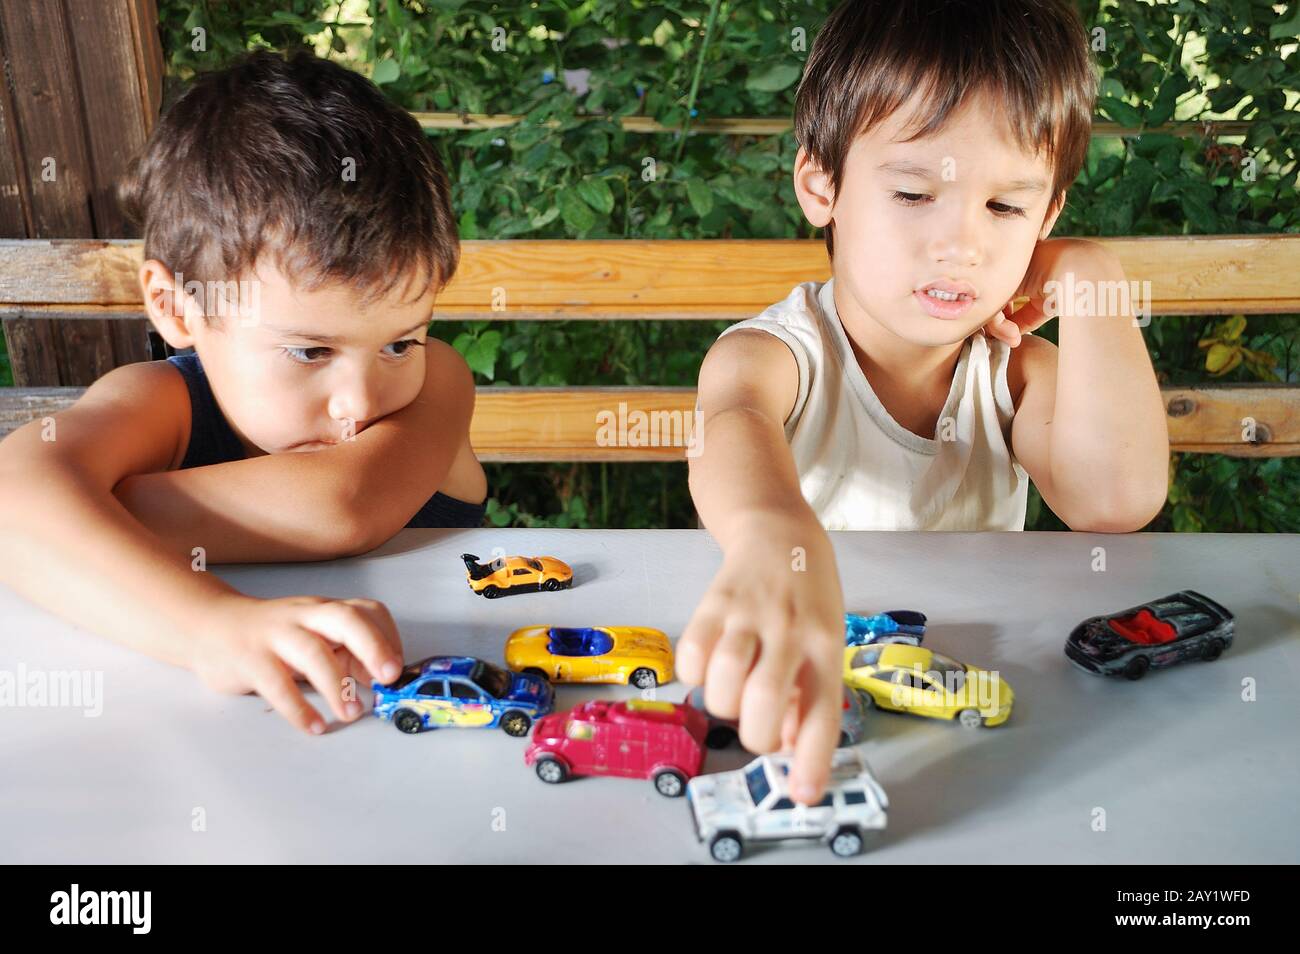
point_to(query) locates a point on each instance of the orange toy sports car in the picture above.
(516, 574)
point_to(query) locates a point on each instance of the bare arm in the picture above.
(1090, 423)
(747, 388)
(767, 637)
(69, 546)
(337, 501)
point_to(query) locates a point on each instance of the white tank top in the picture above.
(860, 469)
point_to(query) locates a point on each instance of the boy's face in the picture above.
(299, 370)
(961, 209)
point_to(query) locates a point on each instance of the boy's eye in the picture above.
(410, 343)
(305, 355)
(315, 355)
(1009, 211)
(999, 208)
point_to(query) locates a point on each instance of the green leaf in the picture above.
(1118, 111)
(1285, 29)
(701, 197)
(1219, 357)
(596, 193)
(773, 77)
(386, 71)
(577, 214)
(481, 355)
(544, 218)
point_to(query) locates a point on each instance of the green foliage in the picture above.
(570, 171)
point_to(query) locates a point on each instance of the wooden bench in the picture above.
(689, 280)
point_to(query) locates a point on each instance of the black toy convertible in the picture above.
(1175, 628)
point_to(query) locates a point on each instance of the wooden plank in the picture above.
(776, 126)
(147, 49)
(14, 200)
(75, 109)
(47, 115)
(672, 279)
(602, 424)
(104, 50)
(113, 104)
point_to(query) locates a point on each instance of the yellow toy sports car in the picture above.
(911, 679)
(626, 654)
(516, 574)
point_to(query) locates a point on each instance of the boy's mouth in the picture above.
(946, 300)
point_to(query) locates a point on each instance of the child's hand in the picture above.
(264, 646)
(767, 643)
(1051, 260)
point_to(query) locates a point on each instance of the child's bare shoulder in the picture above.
(133, 420)
(749, 367)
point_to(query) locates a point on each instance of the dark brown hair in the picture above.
(251, 160)
(871, 55)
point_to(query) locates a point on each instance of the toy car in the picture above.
(892, 626)
(634, 655)
(722, 732)
(661, 741)
(448, 691)
(923, 682)
(516, 574)
(1184, 625)
(732, 809)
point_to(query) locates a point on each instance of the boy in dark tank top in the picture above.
(297, 228)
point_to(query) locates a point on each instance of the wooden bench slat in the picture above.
(776, 125)
(562, 424)
(666, 279)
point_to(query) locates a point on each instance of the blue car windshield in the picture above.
(492, 680)
(579, 642)
(756, 779)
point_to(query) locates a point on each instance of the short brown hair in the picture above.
(252, 160)
(871, 55)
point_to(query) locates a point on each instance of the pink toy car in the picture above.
(661, 741)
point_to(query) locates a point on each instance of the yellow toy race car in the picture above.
(516, 574)
(911, 679)
(624, 654)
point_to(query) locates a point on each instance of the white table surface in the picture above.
(1184, 769)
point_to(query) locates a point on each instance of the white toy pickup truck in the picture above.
(753, 804)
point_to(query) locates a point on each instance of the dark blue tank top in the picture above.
(213, 442)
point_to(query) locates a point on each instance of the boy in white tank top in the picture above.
(937, 141)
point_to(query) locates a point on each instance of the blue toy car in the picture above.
(445, 691)
(892, 626)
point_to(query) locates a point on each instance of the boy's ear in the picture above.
(1053, 213)
(171, 311)
(813, 188)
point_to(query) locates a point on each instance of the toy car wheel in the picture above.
(669, 783)
(970, 718)
(551, 584)
(1213, 650)
(551, 771)
(491, 592)
(408, 722)
(516, 724)
(726, 846)
(643, 678)
(846, 843)
(1137, 667)
(719, 737)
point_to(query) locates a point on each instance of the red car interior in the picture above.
(1142, 627)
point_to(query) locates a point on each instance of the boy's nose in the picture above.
(357, 410)
(958, 243)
